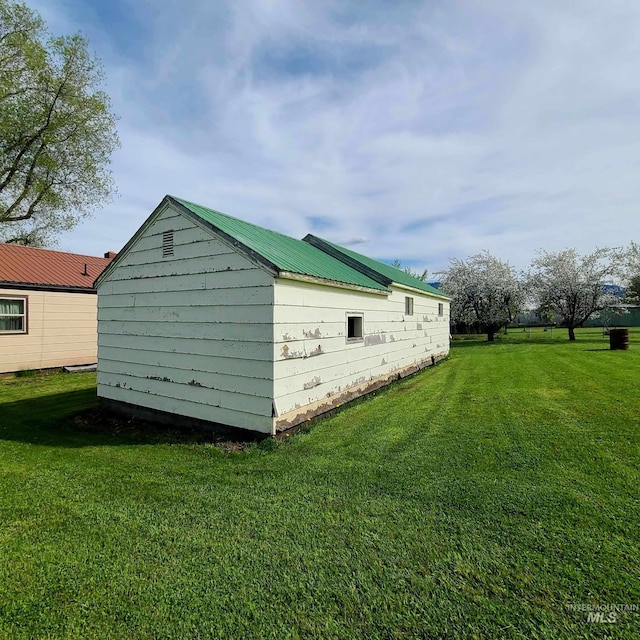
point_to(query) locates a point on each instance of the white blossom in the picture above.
(571, 287)
(485, 291)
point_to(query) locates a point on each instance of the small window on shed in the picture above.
(354, 327)
(408, 306)
(13, 315)
(440, 309)
(167, 243)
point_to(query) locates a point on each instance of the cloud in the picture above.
(422, 131)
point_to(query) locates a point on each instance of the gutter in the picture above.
(289, 275)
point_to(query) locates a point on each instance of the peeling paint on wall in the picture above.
(314, 382)
(287, 354)
(312, 334)
(363, 385)
(317, 351)
(419, 327)
(376, 338)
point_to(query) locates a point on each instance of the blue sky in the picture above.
(412, 130)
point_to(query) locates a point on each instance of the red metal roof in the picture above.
(30, 266)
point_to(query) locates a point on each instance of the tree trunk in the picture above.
(490, 335)
(572, 334)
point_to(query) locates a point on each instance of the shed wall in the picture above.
(315, 363)
(188, 334)
(62, 331)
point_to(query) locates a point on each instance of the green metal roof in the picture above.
(280, 251)
(389, 274)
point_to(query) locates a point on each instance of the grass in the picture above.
(478, 499)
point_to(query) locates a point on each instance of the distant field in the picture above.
(492, 496)
(546, 334)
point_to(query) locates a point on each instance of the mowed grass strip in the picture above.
(478, 499)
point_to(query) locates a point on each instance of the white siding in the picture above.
(189, 334)
(61, 331)
(208, 334)
(313, 359)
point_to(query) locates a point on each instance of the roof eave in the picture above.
(400, 285)
(289, 275)
(125, 250)
(60, 288)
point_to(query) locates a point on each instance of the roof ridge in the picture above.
(234, 218)
(364, 264)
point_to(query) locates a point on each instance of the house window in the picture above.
(167, 244)
(408, 306)
(13, 315)
(354, 327)
(440, 309)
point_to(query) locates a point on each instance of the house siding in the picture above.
(188, 334)
(62, 328)
(315, 363)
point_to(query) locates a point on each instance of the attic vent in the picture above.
(167, 244)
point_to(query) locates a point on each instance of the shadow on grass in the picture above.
(75, 419)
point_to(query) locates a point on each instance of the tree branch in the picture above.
(30, 141)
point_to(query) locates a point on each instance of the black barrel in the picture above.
(619, 339)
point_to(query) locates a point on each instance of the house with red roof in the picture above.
(48, 308)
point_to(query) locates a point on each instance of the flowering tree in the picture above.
(629, 265)
(573, 286)
(484, 291)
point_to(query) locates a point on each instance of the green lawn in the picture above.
(479, 499)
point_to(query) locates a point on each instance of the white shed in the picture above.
(207, 317)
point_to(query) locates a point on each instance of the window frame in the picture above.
(24, 315)
(356, 338)
(440, 309)
(408, 305)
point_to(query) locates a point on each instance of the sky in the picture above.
(418, 131)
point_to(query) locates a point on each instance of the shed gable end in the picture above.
(190, 332)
